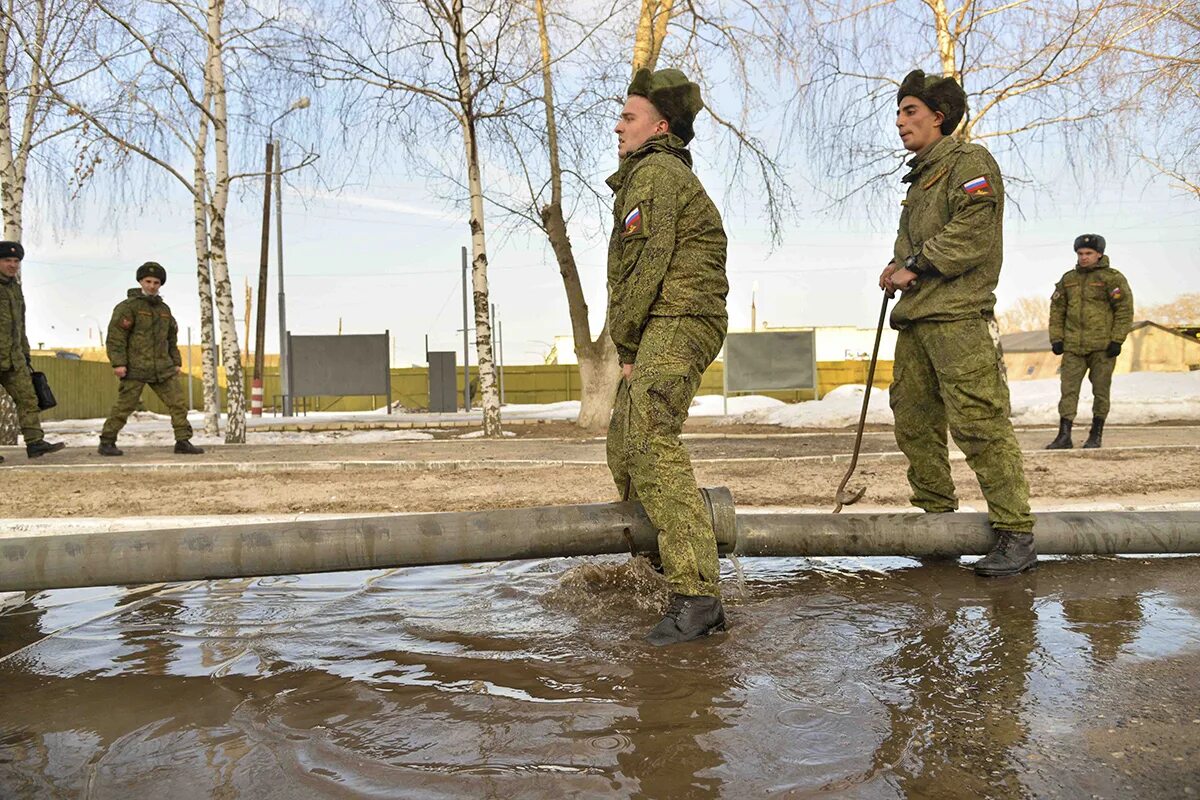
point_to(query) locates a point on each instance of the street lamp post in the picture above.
(273, 164)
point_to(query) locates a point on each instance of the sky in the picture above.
(384, 255)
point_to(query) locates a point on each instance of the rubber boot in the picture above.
(185, 447)
(688, 617)
(1063, 440)
(1013, 554)
(108, 447)
(41, 447)
(1095, 435)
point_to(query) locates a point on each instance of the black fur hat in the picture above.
(11, 250)
(1093, 240)
(939, 93)
(152, 269)
(675, 97)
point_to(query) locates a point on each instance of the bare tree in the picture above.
(557, 182)
(39, 45)
(175, 84)
(1030, 68)
(424, 61)
(1027, 314)
(1184, 310)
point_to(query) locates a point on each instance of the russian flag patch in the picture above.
(633, 221)
(978, 187)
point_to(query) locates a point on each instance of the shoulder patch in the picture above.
(634, 222)
(978, 187)
(126, 323)
(1115, 294)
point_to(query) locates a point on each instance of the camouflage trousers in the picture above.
(646, 457)
(1096, 365)
(19, 385)
(947, 375)
(130, 394)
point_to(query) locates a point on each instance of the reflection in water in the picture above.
(840, 678)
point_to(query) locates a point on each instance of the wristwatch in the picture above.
(912, 264)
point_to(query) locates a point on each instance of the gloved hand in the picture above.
(1057, 348)
(1114, 349)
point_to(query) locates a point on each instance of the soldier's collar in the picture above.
(936, 152)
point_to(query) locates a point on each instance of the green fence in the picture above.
(87, 389)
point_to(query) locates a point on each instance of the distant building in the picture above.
(1150, 348)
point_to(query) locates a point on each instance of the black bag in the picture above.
(41, 387)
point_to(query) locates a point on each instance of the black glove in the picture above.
(1057, 348)
(1114, 349)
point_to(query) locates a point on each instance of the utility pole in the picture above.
(500, 338)
(260, 327)
(283, 387)
(246, 356)
(466, 342)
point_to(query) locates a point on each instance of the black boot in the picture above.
(1013, 554)
(1095, 435)
(688, 617)
(1063, 440)
(185, 447)
(108, 447)
(41, 447)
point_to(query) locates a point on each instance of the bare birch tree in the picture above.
(176, 87)
(39, 44)
(425, 61)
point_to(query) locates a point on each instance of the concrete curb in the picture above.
(456, 465)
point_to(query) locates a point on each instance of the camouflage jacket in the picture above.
(1090, 308)
(952, 221)
(14, 346)
(666, 255)
(142, 337)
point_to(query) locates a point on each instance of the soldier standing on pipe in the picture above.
(1090, 314)
(667, 318)
(142, 346)
(15, 361)
(947, 258)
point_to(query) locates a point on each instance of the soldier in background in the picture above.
(667, 318)
(1091, 311)
(15, 360)
(947, 257)
(142, 347)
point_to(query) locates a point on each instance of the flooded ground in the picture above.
(857, 678)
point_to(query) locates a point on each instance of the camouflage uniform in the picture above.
(1091, 308)
(14, 359)
(666, 312)
(947, 368)
(142, 337)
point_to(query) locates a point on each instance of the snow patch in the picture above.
(1138, 398)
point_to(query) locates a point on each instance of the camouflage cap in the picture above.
(939, 93)
(152, 269)
(1093, 240)
(11, 250)
(675, 97)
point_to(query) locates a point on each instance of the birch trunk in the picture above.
(235, 428)
(651, 30)
(479, 278)
(599, 371)
(208, 361)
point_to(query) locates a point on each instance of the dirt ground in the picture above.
(1138, 466)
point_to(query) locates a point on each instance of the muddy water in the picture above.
(839, 678)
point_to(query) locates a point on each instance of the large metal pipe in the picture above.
(50, 561)
(908, 534)
(57, 561)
